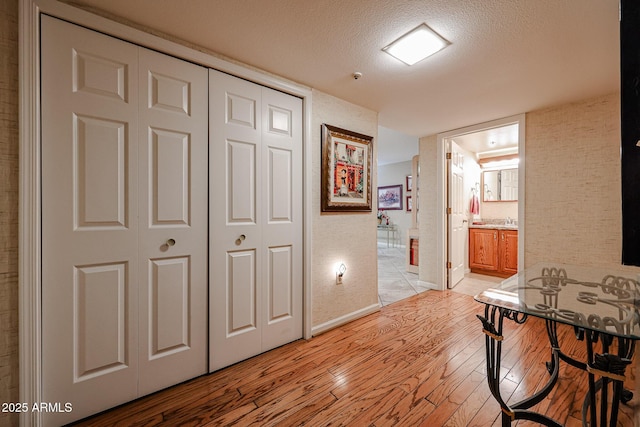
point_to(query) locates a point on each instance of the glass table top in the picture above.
(598, 299)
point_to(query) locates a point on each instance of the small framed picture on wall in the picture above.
(390, 197)
(409, 204)
(409, 183)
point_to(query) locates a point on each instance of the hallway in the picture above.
(395, 283)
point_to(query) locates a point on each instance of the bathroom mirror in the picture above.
(500, 185)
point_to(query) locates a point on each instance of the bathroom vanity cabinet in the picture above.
(493, 251)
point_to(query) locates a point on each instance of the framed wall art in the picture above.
(409, 204)
(390, 197)
(346, 170)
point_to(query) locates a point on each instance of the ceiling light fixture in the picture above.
(416, 45)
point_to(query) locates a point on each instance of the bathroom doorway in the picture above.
(482, 184)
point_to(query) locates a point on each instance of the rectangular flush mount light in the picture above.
(416, 45)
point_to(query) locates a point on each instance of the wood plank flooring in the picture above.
(417, 362)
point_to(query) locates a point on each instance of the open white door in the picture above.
(456, 229)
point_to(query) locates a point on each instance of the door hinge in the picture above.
(448, 156)
(448, 264)
(449, 211)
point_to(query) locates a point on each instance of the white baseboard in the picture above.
(429, 285)
(324, 327)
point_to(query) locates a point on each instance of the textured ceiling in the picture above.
(506, 56)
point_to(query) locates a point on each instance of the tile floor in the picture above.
(474, 283)
(395, 283)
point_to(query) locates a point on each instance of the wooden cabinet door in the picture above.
(509, 251)
(483, 249)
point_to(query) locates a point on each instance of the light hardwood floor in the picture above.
(419, 361)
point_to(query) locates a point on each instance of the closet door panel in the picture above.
(173, 221)
(169, 293)
(280, 285)
(89, 226)
(282, 218)
(241, 293)
(169, 153)
(280, 184)
(241, 182)
(235, 296)
(256, 219)
(100, 330)
(124, 237)
(100, 173)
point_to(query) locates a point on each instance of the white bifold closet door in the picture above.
(255, 211)
(124, 220)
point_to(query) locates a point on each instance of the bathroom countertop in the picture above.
(494, 226)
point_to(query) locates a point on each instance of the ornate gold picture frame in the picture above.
(346, 170)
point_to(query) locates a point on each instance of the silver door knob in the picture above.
(242, 237)
(171, 242)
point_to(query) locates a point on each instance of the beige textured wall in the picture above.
(350, 237)
(8, 206)
(427, 220)
(499, 210)
(572, 181)
(573, 203)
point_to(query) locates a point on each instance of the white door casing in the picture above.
(255, 218)
(457, 230)
(106, 214)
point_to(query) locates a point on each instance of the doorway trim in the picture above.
(441, 182)
(30, 191)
